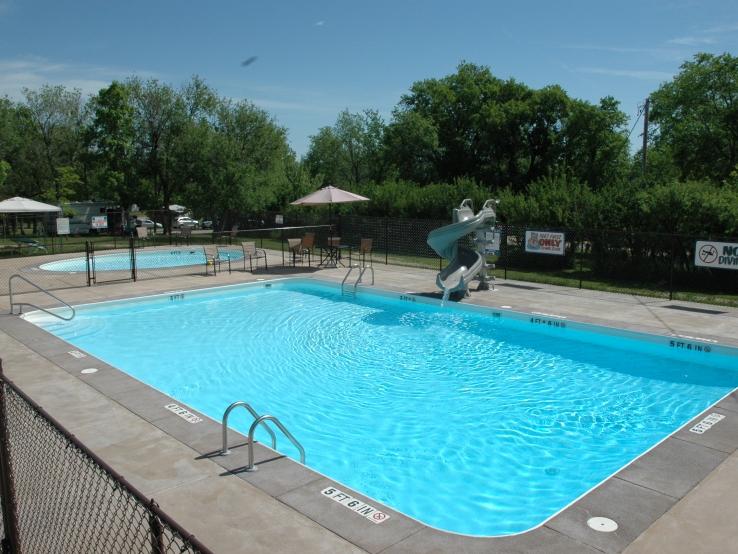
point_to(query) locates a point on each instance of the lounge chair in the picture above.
(212, 258)
(252, 253)
(365, 247)
(29, 243)
(308, 245)
(185, 234)
(142, 234)
(295, 248)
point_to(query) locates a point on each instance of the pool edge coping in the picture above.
(616, 475)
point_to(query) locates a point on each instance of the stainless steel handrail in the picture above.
(224, 451)
(491, 203)
(41, 289)
(252, 430)
(345, 277)
(361, 275)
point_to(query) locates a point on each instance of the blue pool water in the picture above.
(149, 259)
(471, 421)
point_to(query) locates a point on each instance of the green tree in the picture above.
(4, 170)
(596, 146)
(697, 117)
(556, 200)
(159, 115)
(8, 138)
(56, 117)
(413, 147)
(110, 139)
(237, 165)
(350, 153)
(504, 133)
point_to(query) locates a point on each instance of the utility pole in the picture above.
(645, 132)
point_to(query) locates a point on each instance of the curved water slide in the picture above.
(465, 262)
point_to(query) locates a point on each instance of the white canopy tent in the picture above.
(19, 205)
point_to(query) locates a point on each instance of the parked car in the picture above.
(206, 224)
(153, 225)
(185, 222)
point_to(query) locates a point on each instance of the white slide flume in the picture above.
(465, 263)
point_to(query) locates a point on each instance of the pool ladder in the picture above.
(360, 278)
(258, 420)
(41, 289)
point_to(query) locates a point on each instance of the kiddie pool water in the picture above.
(470, 422)
(152, 259)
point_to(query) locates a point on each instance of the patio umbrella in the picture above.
(329, 195)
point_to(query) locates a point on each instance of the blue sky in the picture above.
(317, 58)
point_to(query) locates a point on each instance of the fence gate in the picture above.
(118, 265)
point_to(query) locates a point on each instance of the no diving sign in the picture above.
(356, 505)
(722, 255)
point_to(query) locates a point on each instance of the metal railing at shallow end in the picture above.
(41, 289)
(261, 421)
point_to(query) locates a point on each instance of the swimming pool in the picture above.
(149, 259)
(476, 421)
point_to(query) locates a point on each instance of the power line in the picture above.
(645, 131)
(641, 109)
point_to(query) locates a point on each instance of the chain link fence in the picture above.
(620, 261)
(57, 496)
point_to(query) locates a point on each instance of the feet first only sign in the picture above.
(545, 242)
(722, 255)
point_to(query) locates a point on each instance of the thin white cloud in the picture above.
(271, 104)
(692, 41)
(322, 103)
(33, 72)
(721, 29)
(647, 75)
(320, 23)
(617, 49)
(666, 53)
(705, 37)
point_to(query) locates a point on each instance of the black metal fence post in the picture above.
(132, 247)
(90, 260)
(10, 542)
(157, 532)
(581, 255)
(671, 269)
(386, 241)
(506, 248)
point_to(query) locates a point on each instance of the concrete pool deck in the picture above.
(679, 497)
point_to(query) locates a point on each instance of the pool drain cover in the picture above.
(603, 524)
(89, 370)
